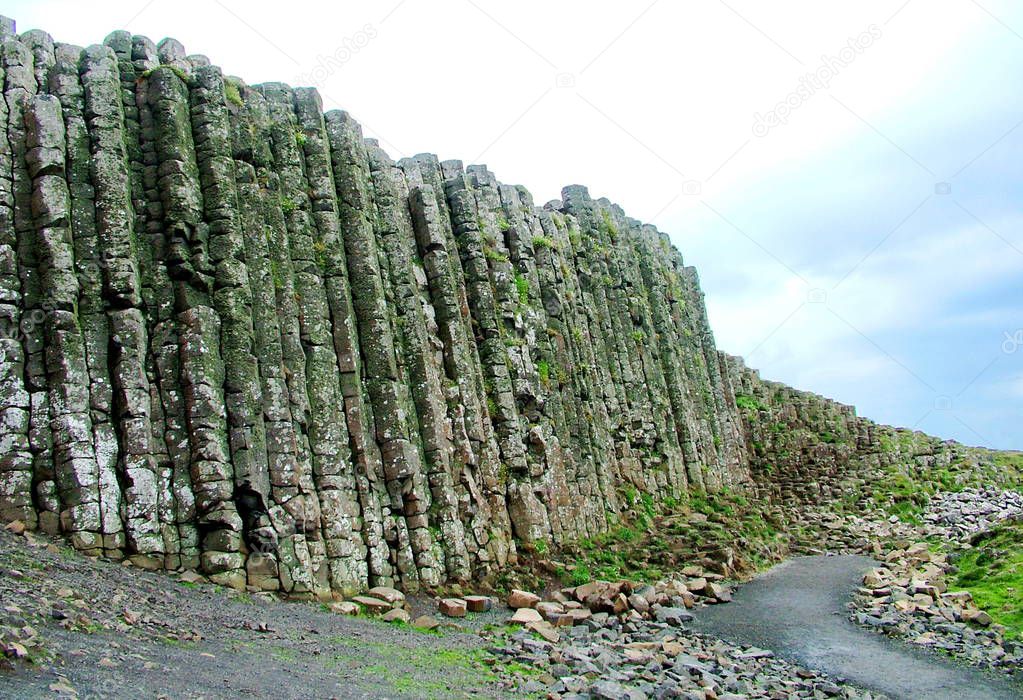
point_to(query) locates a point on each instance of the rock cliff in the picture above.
(238, 337)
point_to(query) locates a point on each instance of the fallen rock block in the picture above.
(874, 579)
(373, 606)
(719, 592)
(345, 607)
(545, 630)
(697, 585)
(426, 622)
(396, 615)
(522, 599)
(452, 607)
(675, 617)
(672, 649)
(550, 610)
(525, 616)
(977, 617)
(478, 603)
(391, 595)
(755, 653)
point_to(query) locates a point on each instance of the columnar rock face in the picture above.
(239, 337)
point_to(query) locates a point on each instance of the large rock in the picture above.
(522, 599)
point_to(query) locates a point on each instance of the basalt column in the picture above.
(237, 337)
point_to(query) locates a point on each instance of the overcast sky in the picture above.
(843, 175)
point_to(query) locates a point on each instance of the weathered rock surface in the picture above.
(238, 338)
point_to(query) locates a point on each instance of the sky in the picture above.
(844, 176)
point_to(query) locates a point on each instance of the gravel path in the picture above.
(797, 609)
(125, 633)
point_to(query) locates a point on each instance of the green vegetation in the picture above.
(300, 138)
(288, 205)
(543, 368)
(182, 76)
(749, 403)
(656, 537)
(993, 572)
(494, 255)
(608, 225)
(426, 671)
(502, 223)
(544, 242)
(905, 488)
(285, 654)
(233, 93)
(522, 287)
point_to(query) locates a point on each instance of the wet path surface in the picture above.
(797, 609)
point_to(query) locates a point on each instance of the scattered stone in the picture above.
(426, 622)
(478, 603)
(522, 599)
(390, 595)
(372, 606)
(452, 607)
(396, 615)
(345, 607)
(525, 616)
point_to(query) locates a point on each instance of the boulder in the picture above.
(391, 595)
(452, 607)
(524, 616)
(522, 599)
(373, 606)
(478, 603)
(396, 615)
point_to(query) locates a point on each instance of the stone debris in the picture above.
(592, 603)
(908, 597)
(961, 515)
(639, 659)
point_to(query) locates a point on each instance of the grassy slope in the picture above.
(993, 572)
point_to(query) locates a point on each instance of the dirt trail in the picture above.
(133, 634)
(797, 609)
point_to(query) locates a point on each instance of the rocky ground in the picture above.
(961, 515)
(72, 626)
(82, 628)
(79, 628)
(638, 659)
(910, 597)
